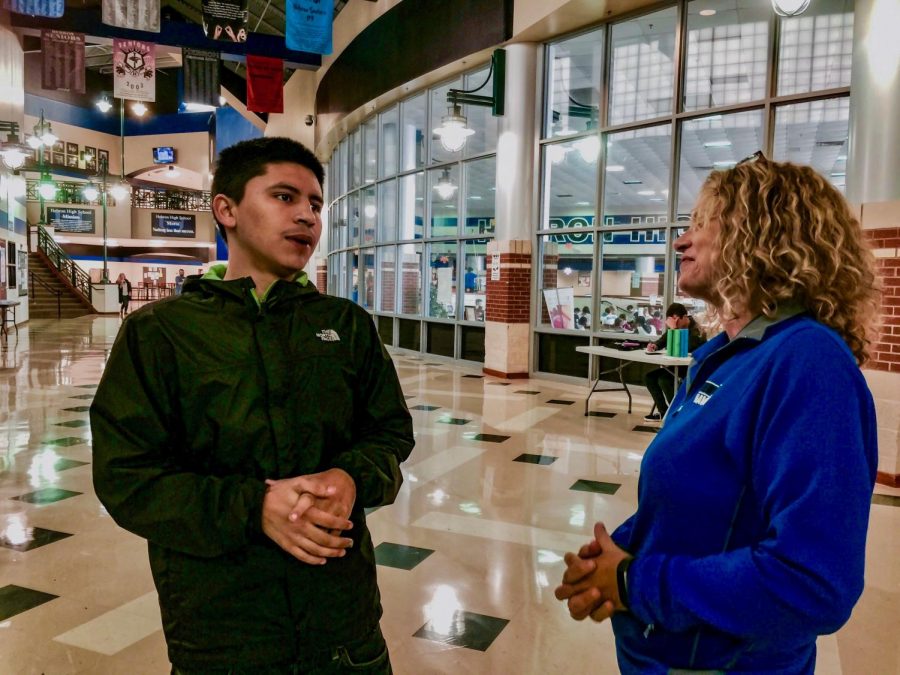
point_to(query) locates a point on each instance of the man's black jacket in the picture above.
(204, 397)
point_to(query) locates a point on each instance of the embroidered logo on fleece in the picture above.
(328, 335)
(705, 393)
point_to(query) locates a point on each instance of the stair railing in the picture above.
(37, 280)
(79, 279)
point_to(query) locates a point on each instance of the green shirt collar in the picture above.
(217, 273)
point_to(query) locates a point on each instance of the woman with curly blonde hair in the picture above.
(753, 502)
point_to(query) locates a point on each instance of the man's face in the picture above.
(278, 223)
(674, 321)
(181, 273)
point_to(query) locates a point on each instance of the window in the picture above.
(715, 142)
(637, 176)
(815, 133)
(642, 68)
(727, 52)
(570, 183)
(573, 86)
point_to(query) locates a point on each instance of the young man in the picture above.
(660, 382)
(179, 282)
(242, 427)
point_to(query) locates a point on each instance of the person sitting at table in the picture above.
(641, 327)
(656, 321)
(624, 323)
(660, 382)
(576, 318)
(609, 317)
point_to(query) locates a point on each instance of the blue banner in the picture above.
(50, 8)
(307, 27)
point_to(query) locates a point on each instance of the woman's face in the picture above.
(698, 250)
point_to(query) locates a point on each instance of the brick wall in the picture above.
(886, 244)
(412, 283)
(509, 298)
(322, 277)
(388, 286)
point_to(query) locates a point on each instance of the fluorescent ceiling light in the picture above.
(615, 168)
(717, 144)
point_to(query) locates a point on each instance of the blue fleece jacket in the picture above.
(753, 506)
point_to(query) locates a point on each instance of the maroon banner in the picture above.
(62, 62)
(265, 84)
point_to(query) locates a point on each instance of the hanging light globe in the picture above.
(454, 130)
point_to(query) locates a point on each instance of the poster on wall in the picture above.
(23, 272)
(76, 221)
(173, 225)
(2, 269)
(560, 306)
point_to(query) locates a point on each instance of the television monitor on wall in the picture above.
(164, 155)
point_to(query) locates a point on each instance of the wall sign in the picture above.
(495, 267)
(77, 221)
(173, 225)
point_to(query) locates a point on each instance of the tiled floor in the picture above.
(502, 482)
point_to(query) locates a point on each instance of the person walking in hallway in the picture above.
(124, 294)
(243, 427)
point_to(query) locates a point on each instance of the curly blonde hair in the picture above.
(788, 236)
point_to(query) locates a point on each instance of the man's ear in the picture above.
(224, 210)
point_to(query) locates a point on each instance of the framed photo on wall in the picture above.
(90, 158)
(72, 161)
(72, 149)
(59, 146)
(102, 158)
(59, 158)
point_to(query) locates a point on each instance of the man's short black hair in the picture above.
(676, 309)
(240, 163)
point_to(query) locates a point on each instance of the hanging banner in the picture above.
(265, 84)
(201, 76)
(307, 26)
(225, 20)
(134, 70)
(62, 60)
(49, 8)
(133, 14)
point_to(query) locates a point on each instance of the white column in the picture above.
(516, 145)
(873, 163)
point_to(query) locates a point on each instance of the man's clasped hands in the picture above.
(307, 516)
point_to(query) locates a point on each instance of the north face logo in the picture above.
(328, 335)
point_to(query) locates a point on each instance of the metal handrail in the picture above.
(79, 279)
(49, 288)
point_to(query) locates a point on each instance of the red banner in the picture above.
(62, 60)
(265, 84)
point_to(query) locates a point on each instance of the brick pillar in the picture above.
(322, 275)
(508, 310)
(412, 284)
(881, 221)
(388, 281)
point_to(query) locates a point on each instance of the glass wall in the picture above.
(625, 149)
(410, 221)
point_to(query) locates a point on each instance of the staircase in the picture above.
(42, 302)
